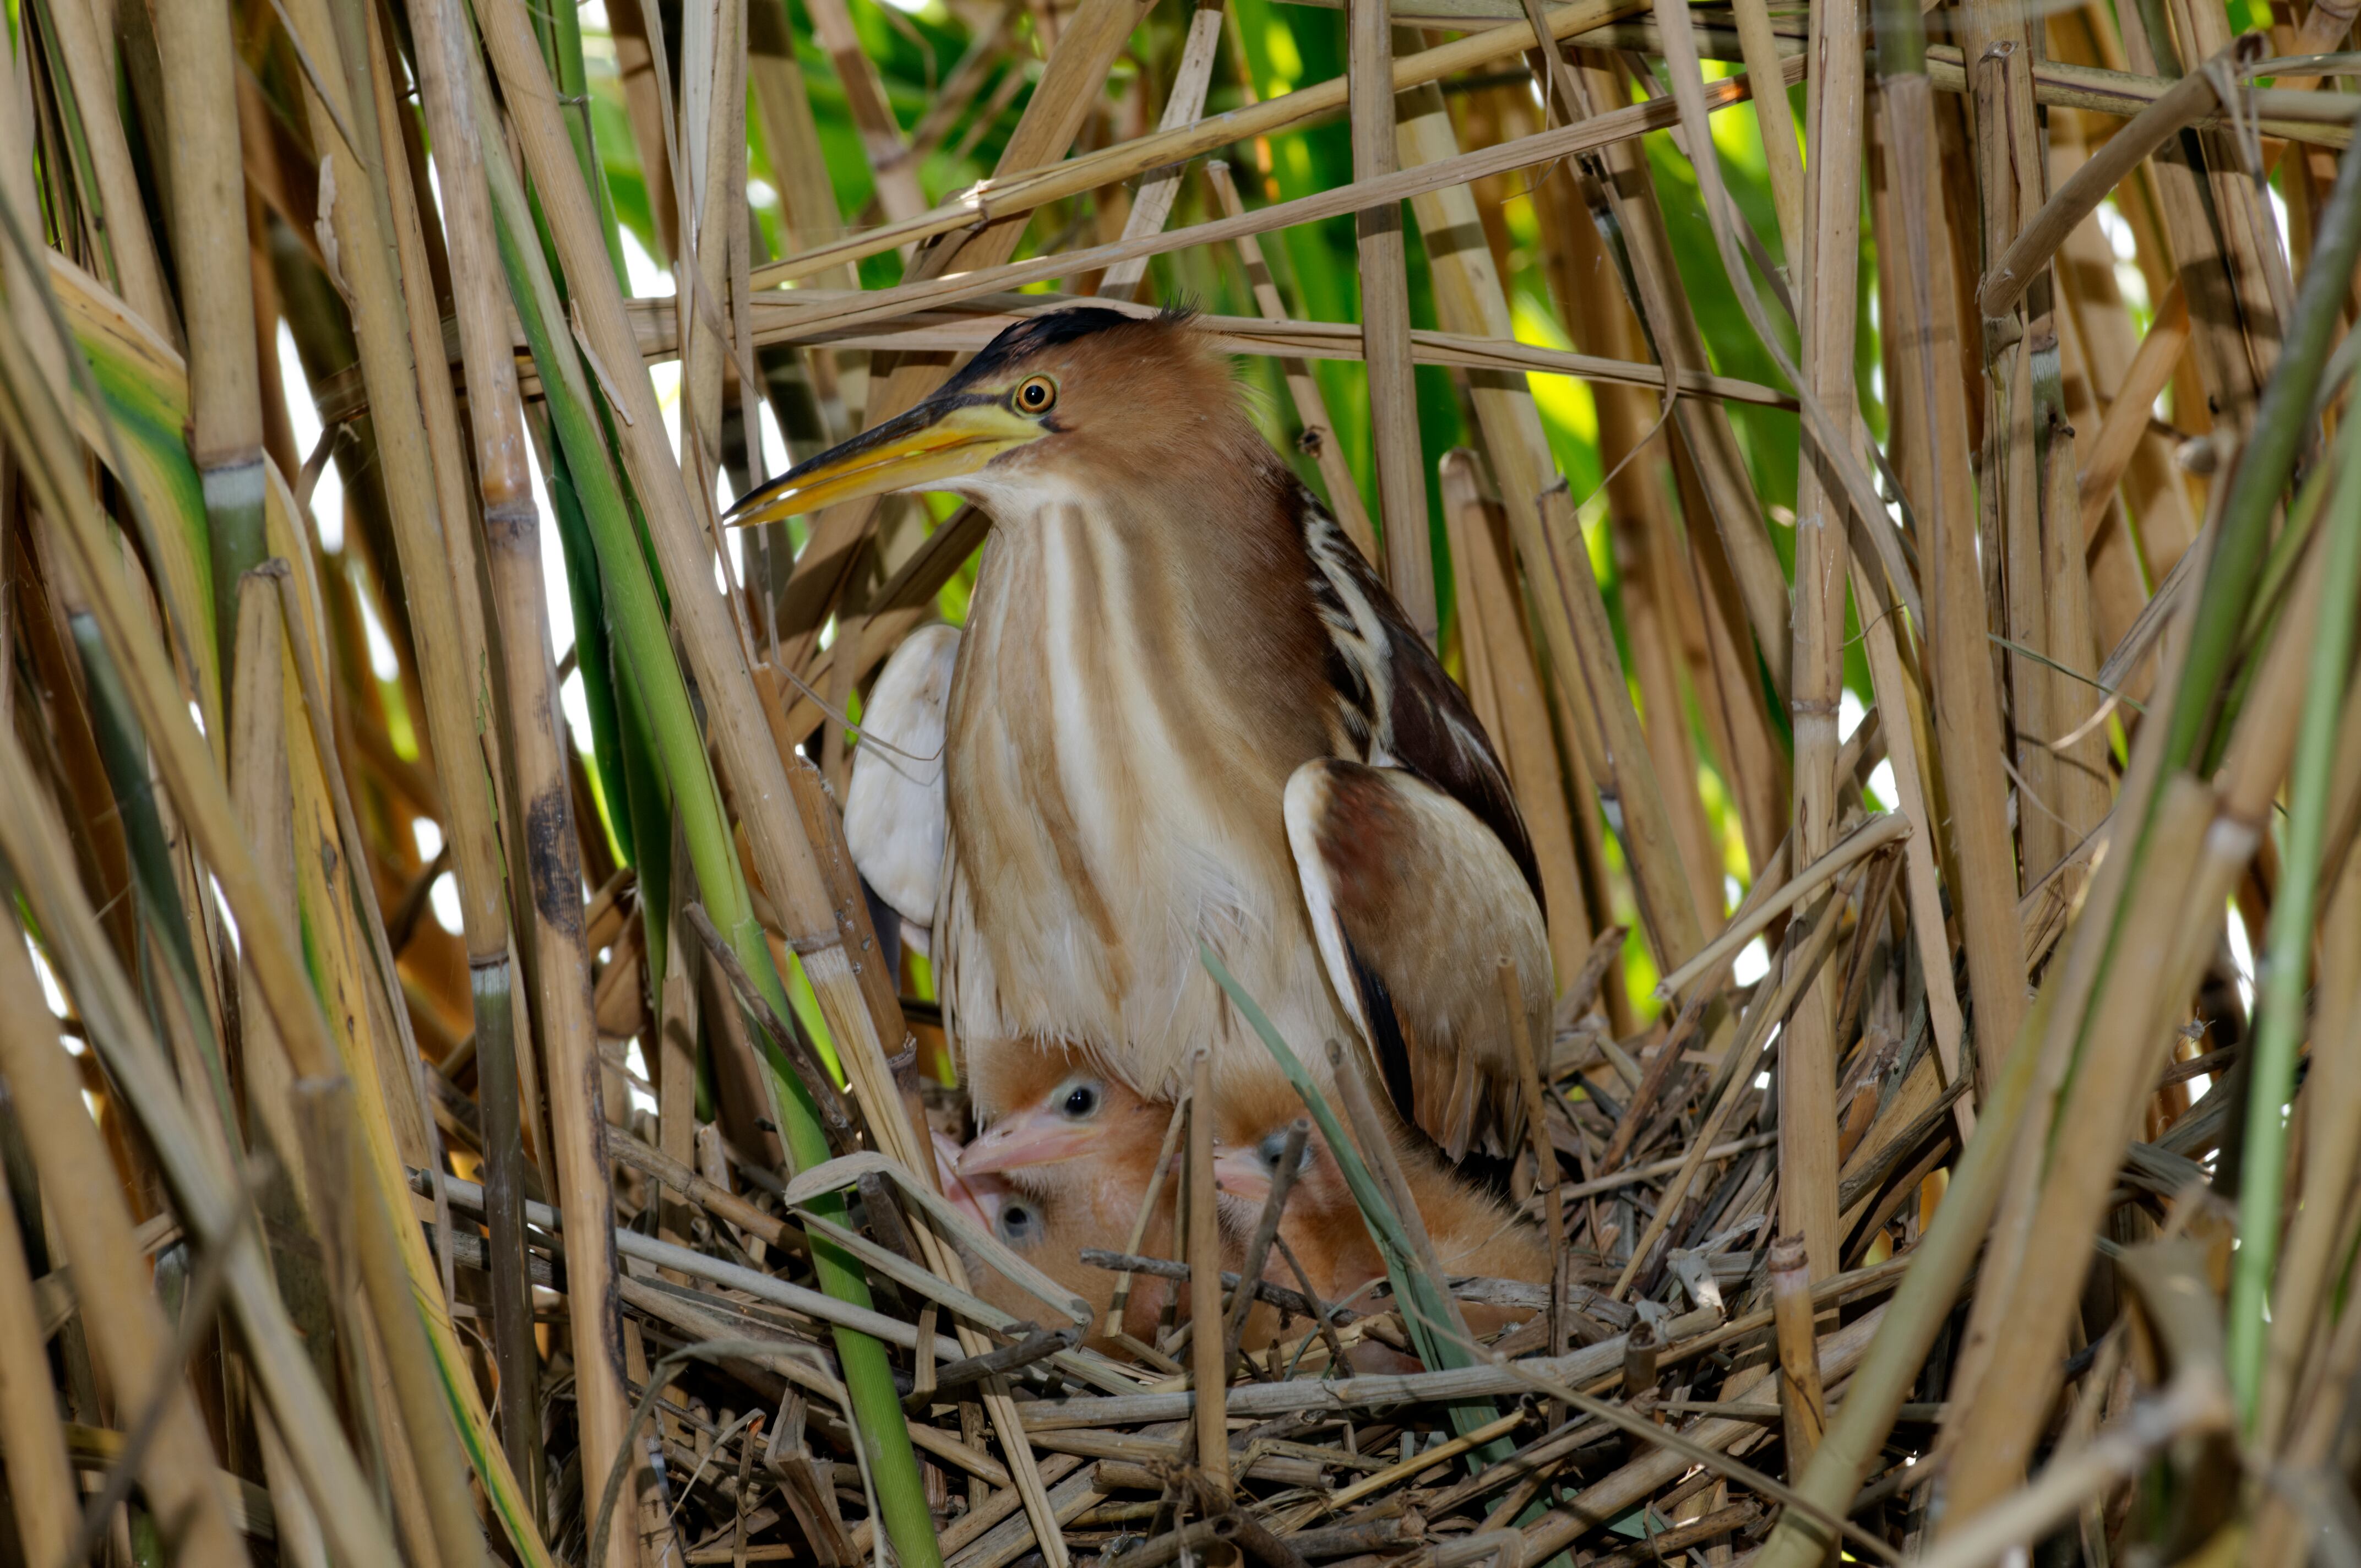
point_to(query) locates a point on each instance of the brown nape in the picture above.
(1148, 412)
(1140, 398)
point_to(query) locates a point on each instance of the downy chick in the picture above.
(1067, 1166)
(1472, 1232)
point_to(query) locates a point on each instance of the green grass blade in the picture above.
(123, 751)
(593, 650)
(138, 425)
(2311, 784)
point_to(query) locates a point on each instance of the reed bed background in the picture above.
(1899, 528)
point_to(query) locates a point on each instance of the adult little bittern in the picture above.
(1185, 710)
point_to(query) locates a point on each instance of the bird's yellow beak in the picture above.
(940, 440)
(1032, 1137)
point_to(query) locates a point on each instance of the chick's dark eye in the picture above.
(1082, 1099)
(1020, 1223)
(1035, 394)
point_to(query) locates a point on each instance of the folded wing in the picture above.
(1415, 902)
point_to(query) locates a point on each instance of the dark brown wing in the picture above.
(1415, 901)
(1438, 737)
(1427, 726)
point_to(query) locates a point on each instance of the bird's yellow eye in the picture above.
(1035, 395)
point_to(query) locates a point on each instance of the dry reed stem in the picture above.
(1470, 298)
(1505, 688)
(890, 163)
(400, 1072)
(400, 1340)
(1933, 420)
(416, 427)
(495, 424)
(1898, 695)
(1625, 775)
(1775, 118)
(125, 1320)
(1385, 321)
(1311, 408)
(2041, 232)
(42, 1490)
(217, 302)
(970, 323)
(1997, 1427)
(2283, 116)
(2126, 422)
(138, 274)
(261, 780)
(715, 80)
(1028, 178)
(1803, 1403)
(1770, 899)
(1831, 255)
(1830, 438)
(1183, 105)
(1809, 941)
(1087, 46)
(791, 137)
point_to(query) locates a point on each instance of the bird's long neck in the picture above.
(1141, 610)
(1143, 668)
